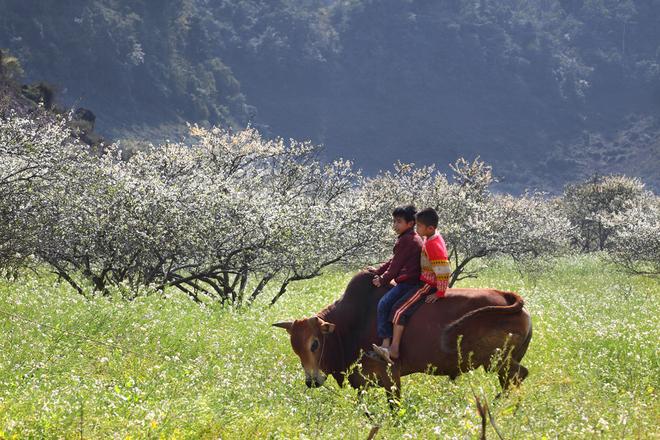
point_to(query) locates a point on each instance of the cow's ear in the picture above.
(286, 325)
(327, 327)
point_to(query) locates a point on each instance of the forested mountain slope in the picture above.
(548, 91)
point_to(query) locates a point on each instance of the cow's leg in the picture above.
(361, 379)
(360, 400)
(512, 373)
(389, 378)
(377, 372)
(339, 377)
(394, 393)
(381, 374)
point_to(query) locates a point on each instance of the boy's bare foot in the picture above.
(382, 352)
(394, 354)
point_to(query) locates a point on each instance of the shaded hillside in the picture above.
(522, 85)
(547, 91)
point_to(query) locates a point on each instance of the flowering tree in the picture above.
(108, 225)
(228, 212)
(474, 222)
(636, 243)
(33, 151)
(593, 206)
(290, 215)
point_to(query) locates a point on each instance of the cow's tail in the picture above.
(449, 335)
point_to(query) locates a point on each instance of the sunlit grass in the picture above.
(168, 367)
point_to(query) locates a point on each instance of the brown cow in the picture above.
(493, 325)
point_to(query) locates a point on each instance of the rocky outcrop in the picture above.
(40, 99)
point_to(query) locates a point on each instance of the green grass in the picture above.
(167, 368)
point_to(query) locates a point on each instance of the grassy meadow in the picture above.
(167, 368)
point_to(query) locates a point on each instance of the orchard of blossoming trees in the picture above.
(231, 212)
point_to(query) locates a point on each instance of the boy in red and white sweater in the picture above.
(435, 276)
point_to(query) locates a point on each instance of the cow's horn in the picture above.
(284, 324)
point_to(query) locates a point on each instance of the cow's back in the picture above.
(422, 343)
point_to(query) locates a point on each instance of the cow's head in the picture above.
(307, 340)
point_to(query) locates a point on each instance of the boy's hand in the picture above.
(371, 269)
(376, 281)
(431, 299)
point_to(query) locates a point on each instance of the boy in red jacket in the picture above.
(435, 276)
(404, 268)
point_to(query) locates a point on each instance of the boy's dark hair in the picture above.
(428, 217)
(405, 212)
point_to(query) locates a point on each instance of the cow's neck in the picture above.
(350, 316)
(342, 342)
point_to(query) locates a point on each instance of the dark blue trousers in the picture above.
(384, 325)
